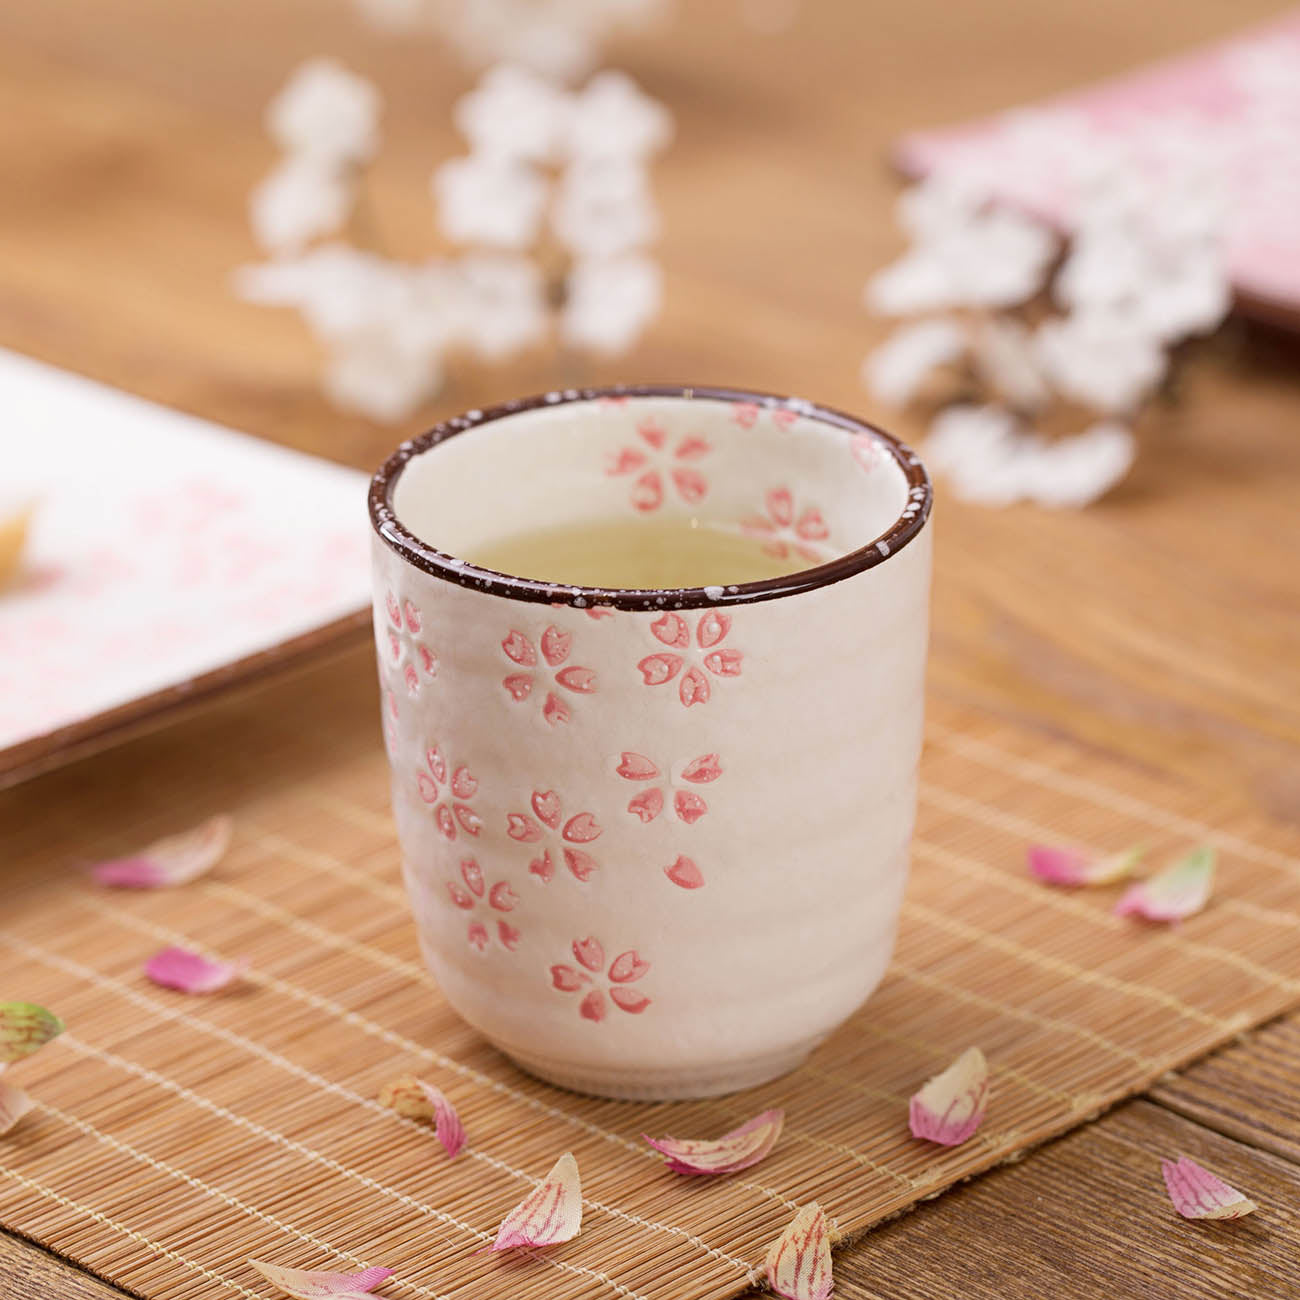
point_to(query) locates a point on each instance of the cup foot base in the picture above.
(630, 1083)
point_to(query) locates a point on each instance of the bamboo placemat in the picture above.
(175, 1137)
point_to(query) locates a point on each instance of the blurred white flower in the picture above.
(502, 303)
(484, 199)
(299, 201)
(380, 376)
(612, 118)
(513, 113)
(966, 253)
(1003, 352)
(326, 113)
(1106, 359)
(895, 371)
(604, 208)
(610, 302)
(988, 460)
(340, 290)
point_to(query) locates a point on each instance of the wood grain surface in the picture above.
(1162, 627)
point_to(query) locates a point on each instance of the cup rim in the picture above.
(911, 518)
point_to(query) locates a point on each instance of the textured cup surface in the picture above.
(655, 842)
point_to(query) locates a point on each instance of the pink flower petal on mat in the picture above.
(685, 873)
(739, 1149)
(14, 1104)
(548, 1215)
(178, 968)
(799, 1263)
(1179, 891)
(24, 1029)
(1070, 868)
(175, 860)
(415, 1099)
(304, 1285)
(1199, 1194)
(950, 1107)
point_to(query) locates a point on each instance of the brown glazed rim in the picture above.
(909, 523)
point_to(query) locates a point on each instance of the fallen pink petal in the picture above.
(1072, 869)
(24, 1029)
(175, 860)
(190, 972)
(739, 1149)
(799, 1263)
(549, 1214)
(950, 1107)
(415, 1099)
(1199, 1194)
(14, 1104)
(1179, 891)
(303, 1284)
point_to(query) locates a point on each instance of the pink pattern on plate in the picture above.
(404, 649)
(448, 790)
(706, 652)
(591, 979)
(556, 645)
(657, 466)
(785, 529)
(547, 829)
(686, 804)
(1236, 102)
(473, 890)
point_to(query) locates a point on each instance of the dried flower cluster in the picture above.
(1006, 308)
(554, 181)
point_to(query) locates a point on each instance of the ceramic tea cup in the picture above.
(655, 840)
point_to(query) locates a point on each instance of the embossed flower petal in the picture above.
(519, 648)
(628, 966)
(518, 684)
(463, 784)
(648, 804)
(671, 629)
(24, 1029)
(694, 688)
(1199, 1194)
(190, 972)
(174, 860)
(684, 873)
(555, 710)
(724, 663)
(636, 767)
(712, 628)
(14, 1104)
(658, 669)
(1179, 891)
(692, 447)
(593, 1006)
(799, 1264)
(590, 953)
(648, 491)
(303, 1284)
(546, 804)
(550, 1214)
(459, 896)
(522, 828)
(950, 1107)
(629, 1000)
(472, 874)
(705, 768)
(582, 865)
(691, 485)
(502, 897)
(739, 1149)
(568, 980)
(556, 645)
(689, 806)
(478, 935)
(582, 829)
(508, 935)
(1071, 868)
(416, 1099)
(469, 820)
(543, 868)
(580, 680)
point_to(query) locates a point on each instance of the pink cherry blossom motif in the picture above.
(657, 467)
(407, 653)
(498, 898)
(674, 787)
(869, 452)
(589, 978)
(784, 530)
(448, 790)
(688, 669)
(555, 837)
(556, 646)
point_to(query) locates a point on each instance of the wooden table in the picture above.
(1162, 626)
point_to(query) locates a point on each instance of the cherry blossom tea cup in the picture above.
(655, 841)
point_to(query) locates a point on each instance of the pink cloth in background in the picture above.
(1234, 106)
